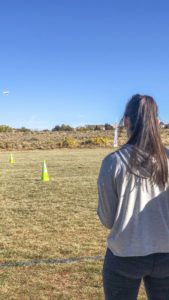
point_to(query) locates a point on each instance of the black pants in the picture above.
(122, 276)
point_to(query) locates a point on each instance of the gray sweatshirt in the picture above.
(136, 212)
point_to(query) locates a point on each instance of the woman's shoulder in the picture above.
(112, 157)
(113, 160)
(111, 165)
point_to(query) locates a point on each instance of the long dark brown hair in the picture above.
(142, 112)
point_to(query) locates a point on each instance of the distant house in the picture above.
(166, 126)
(90, 127)
(162, 125)
(95, 127)
(100, 127)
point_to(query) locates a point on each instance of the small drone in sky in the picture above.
(5, 93)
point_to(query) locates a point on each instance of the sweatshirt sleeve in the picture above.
(107, 195)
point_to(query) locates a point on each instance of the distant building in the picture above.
(162, 125)
(95, 127)
(166, 126)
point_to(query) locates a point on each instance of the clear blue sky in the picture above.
(78, 61)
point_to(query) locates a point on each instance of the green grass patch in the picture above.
(50, 220)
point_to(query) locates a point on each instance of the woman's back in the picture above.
(139, 213)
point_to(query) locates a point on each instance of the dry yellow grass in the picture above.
(56, 219)
(54, 140)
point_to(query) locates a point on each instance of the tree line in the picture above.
(65, 127)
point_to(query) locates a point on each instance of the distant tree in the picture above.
(5, 128)
(97, 127)
(108, 126)
(24, 129)
(56, 128)
(63, 127)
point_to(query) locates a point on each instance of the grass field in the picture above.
(51, 220)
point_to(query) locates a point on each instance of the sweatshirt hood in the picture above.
(143, 164)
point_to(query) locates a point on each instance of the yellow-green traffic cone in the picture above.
(44, 176)
(11, 159)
